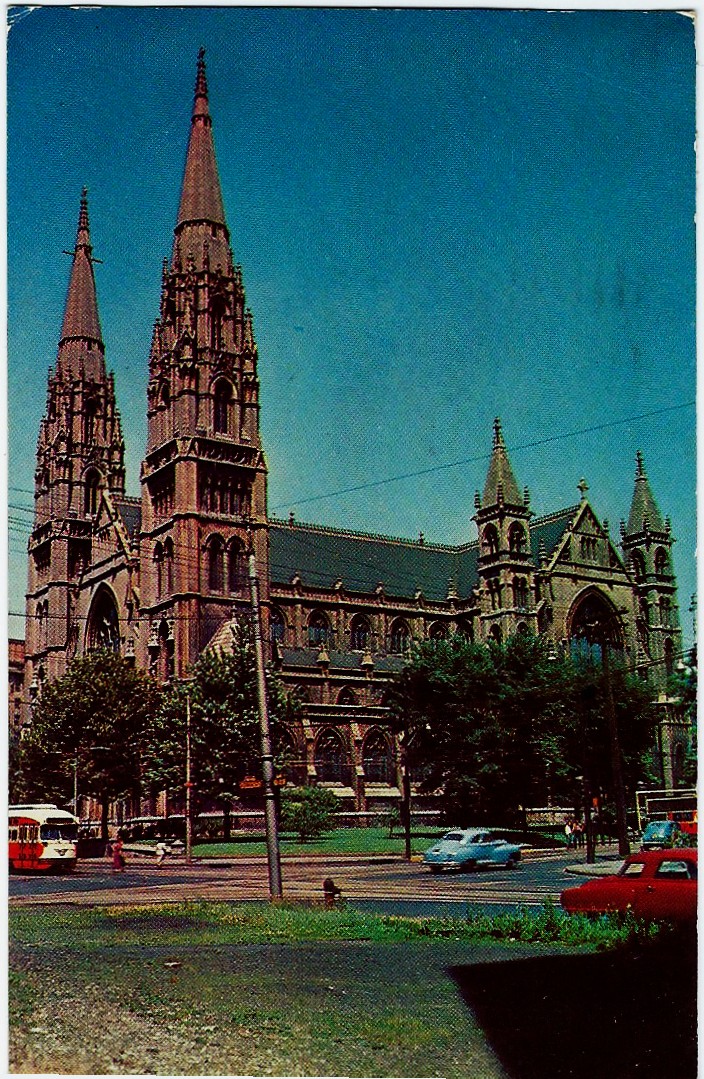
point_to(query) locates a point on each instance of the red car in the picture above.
(657, 884)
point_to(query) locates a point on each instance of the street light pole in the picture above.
(272, 835)
(189, 785)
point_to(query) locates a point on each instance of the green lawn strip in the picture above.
(338, 841)
(226, 923)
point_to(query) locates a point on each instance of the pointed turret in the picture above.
(81, 321)
(201, 198)
(500, 483)
(644, 509)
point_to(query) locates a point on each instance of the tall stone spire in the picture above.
(81, 326)
(201, 199)
(501, 485)
(644, 508)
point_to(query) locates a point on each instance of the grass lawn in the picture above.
(220, 989)
(338, 841)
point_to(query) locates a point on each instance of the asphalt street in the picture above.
(376, 885)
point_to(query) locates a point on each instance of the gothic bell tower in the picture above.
(80, 454)
(505, 566)
(204, 474)
(646, 540)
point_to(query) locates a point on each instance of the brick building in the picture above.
(162, 577)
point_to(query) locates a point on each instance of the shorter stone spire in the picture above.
(644, 509)
(500, 483)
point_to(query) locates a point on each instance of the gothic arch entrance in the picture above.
(594, 623)
(103, 624)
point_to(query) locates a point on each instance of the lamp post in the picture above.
(587, 810)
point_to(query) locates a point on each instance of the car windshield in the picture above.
(453, 837)
(66, 831)
(659, 828)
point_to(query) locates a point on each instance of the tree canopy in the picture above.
(225, 733)
(499, 727)
(91, 720)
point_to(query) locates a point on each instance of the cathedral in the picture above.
(161, 577)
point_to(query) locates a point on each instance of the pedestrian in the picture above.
(331, 892)
(578, 833)
(568, 833)
(118, 858)
(161, 852)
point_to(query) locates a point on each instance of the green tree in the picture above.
(225, 734)
(89, 723)
(308, 811)
(500, 727)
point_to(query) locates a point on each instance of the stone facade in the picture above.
(162, 577)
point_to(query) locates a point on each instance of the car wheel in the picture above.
(435, 869)
(469, 865)
(512, 863)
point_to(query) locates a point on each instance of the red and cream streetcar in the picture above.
(42, 837)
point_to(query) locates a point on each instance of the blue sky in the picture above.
(442, 216)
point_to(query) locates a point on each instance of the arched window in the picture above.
(490, 541)
(494, 587)
(400, 637)
(522, 629)
(660, 562)
(520, 593)
(103, 628)
(235, 566)
(169, 565)
(438, 631)
(638, 564)
(665, 611)
(216, 564)
(164, 396)
(376, 758)
(465, 629)
(329, 757)
(159, 569)
(90, 411)
(277, 626)
(222, 401)
(91, 484)
(346, 696)
(360, 633)
(517, 539)
(495, 634)
(318, 630)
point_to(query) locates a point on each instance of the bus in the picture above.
(678, 805)
(43, 838)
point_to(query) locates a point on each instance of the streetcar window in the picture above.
(13, 834)
(59, 831)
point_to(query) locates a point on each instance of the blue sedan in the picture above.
(468, 848)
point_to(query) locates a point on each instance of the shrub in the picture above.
(308, 811)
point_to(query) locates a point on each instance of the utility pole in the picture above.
(624, 847)
(189, 822)
(272, 834)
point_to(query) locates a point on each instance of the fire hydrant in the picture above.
(331, 892)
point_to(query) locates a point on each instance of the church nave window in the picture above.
(90, 498)
(235, 566)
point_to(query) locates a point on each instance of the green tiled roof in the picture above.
(550, 529)
(324, 555)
